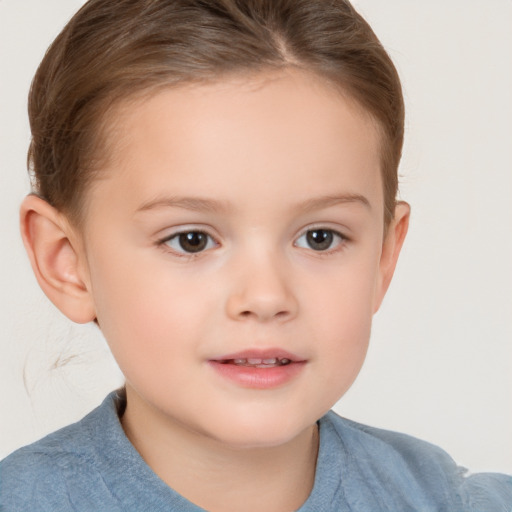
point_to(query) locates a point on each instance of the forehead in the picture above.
(288, 131)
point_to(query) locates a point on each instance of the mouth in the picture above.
(255, 362)
(260, 358)
(259, 369)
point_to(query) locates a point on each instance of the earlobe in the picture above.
(55, 259)
(391, 248)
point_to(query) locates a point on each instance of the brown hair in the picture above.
(112, 50)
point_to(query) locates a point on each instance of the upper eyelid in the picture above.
(173, 232)
(339, 246)
(161, 243)
(334, 231)
(324, 226)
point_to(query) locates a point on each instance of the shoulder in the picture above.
(399, 460)
(54, 472)
(418, 455)
(31, 478)
(88, 466)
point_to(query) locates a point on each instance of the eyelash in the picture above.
(164, 243)
(333, 237)
(336, 238)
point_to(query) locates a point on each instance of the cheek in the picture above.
(342, 294)
(149, 316)
(341, 319)
(344, 335)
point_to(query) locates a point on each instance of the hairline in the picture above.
(115, 106)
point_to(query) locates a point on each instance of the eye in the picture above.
(189, 242)
(320, 239)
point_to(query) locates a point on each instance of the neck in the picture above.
(275, 479)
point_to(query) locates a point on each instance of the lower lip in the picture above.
(258, 378)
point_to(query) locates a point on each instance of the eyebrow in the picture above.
(187, 203)
(333, 200)
(215, 206)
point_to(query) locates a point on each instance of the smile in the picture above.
(258, 363)
(259, 369)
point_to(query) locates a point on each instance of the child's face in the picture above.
(277, 182)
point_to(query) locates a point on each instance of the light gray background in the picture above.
(440, 363)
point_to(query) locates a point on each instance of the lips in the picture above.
(256, 362)
(259, 369)
(267, 356)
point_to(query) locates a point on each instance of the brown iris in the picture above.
(319, 239)
(193, 241)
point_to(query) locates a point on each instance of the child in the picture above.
(214, 186)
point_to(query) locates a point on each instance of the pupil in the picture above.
(319, 239)
(193, 241)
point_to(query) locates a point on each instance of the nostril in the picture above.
(248, 313)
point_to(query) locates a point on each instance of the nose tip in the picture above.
(263, 295)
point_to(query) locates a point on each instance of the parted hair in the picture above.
(114, 50)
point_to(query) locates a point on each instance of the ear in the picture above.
(391, 247)
(56, 259)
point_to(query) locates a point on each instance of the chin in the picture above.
(257, 441)
(260, 432)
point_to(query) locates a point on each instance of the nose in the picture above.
(261, 291)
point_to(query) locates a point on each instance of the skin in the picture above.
(273, 156)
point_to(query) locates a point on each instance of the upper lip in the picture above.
(268, 353)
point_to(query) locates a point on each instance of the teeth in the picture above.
(261, 363)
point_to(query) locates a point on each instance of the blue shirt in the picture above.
(92, 466)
